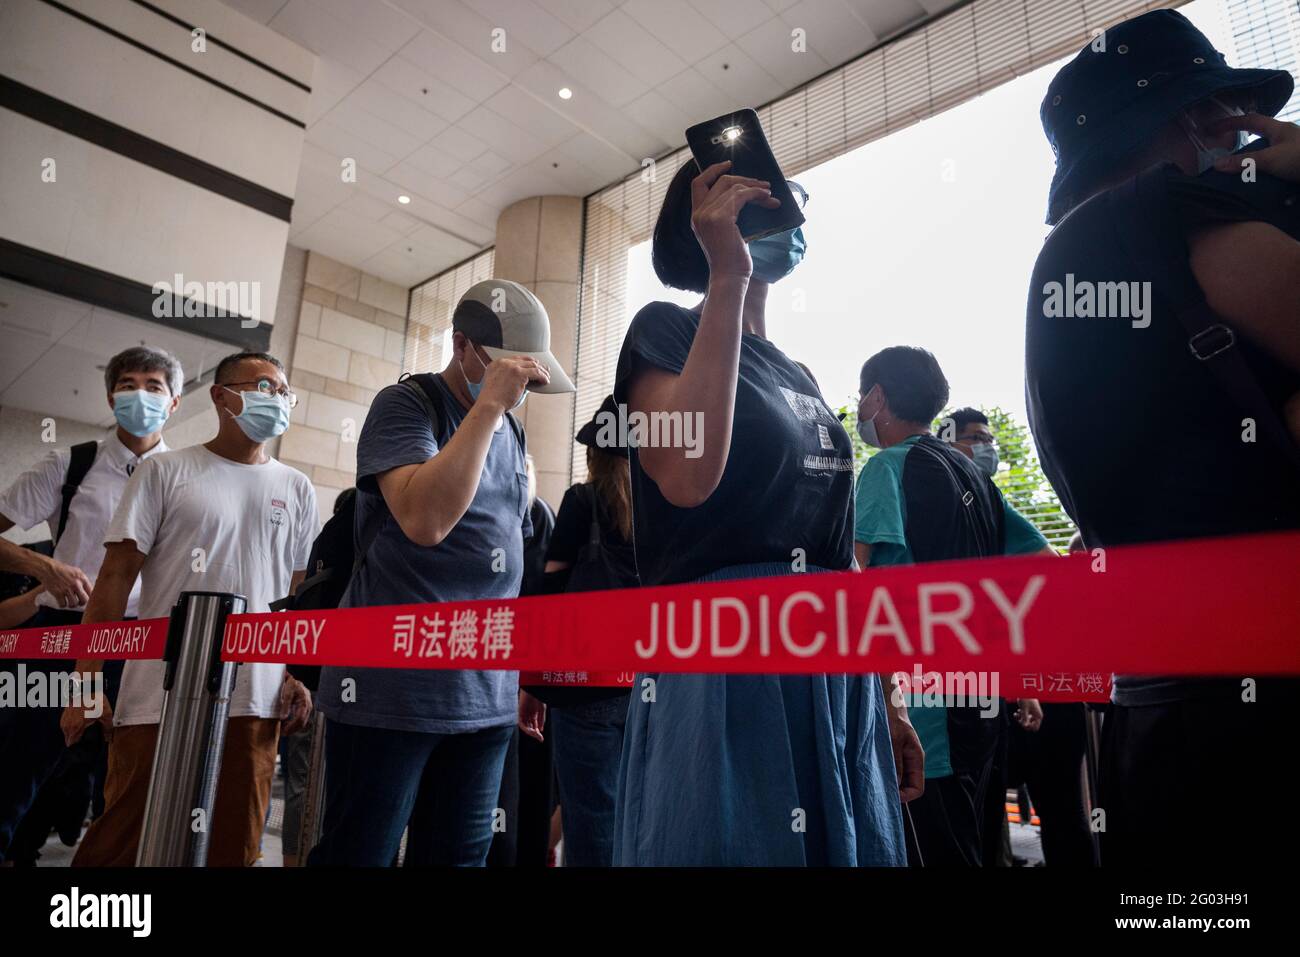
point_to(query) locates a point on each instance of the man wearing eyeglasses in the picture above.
(226, 517)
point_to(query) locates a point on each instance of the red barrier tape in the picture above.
(115, 640)
(1155, 609)
(1056, 625)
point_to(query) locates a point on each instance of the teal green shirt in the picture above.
(880, 520)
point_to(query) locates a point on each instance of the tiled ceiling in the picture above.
(455, 103)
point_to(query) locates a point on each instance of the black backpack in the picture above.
(338, 553)
(13, 584)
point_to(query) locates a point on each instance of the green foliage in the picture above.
(1020, 477)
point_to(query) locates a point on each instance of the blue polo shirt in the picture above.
(482, 557)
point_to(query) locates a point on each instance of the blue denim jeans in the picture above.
(377, 781)
(588, 745)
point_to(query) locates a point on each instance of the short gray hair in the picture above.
(145, 359)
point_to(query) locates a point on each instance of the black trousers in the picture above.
(30, 740)
(948, 820)
(996, 843)
(528, 797)
(1050, 762)
(1181, 783)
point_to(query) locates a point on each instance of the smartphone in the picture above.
(739, 137)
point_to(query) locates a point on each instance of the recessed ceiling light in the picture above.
(404, 199)
(566, 93)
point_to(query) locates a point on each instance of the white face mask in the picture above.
(1195, 132)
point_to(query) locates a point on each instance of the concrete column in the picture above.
(539, 245)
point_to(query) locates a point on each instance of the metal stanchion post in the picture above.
(192, 733)
(1092, 764)
(313, 798)
(1092, 754)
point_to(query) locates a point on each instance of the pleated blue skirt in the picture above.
(758, 770)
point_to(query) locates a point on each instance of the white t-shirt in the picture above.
(209, 524)
(37, 496)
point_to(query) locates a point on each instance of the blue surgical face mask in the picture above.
(264, 416)
(985, 455)
(140, 413)
(476, 387)
(776, 256)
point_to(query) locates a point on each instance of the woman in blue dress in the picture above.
(736, 770)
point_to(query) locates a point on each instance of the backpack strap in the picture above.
(1209, 339)
(430, 397)
(83, 457)
(423, 386)
(368, 535)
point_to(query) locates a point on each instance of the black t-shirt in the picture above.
(1134, 432)
(788, 483)
(573, 526)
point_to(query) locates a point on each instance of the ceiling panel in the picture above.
(833, 30)
(407, 115)
(636, 50)
(678, 25)
(734, 17)
(474, 34)
(578, 14)
(591, 66)
(454, 103)
(771, 45)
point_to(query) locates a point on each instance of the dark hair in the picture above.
(964, 417)
(675, 252)
(145, 359)
(914, 385)
(229, 362)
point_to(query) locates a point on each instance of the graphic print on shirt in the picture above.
(277, 512)
(819, 421)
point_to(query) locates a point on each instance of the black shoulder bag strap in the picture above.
(83, 457)
(423, 388)
(1209, 339)
(593, 534)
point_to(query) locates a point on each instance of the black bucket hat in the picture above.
(1116, 94)
(589, 433)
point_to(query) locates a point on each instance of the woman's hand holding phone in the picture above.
(716, 202)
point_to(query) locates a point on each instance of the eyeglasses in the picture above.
(268, 387)
(800, 194)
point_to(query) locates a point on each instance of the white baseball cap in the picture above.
(507, 320)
